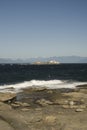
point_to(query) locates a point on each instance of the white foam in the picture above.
(50, 84)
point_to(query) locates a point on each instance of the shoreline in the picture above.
(44, 109)
(41, 84)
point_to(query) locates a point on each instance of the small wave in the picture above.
(50, 84)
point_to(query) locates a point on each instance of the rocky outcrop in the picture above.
(44, 110)
(7, 97)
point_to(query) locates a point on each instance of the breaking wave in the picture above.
(50, 84)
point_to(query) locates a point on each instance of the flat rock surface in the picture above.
(52, 116)
(7, 96)
(4, 125)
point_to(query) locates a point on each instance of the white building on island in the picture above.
(48, 62)
(53, 62)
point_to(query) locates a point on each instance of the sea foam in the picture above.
(49, 84)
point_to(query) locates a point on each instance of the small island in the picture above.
(52, 62)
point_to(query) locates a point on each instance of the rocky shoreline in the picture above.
(44, 109)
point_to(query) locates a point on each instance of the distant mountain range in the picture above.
(61, 59)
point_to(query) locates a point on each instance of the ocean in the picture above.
(15, 77)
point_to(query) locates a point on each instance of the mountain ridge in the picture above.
(61, 59)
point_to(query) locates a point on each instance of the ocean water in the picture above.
(14, 77)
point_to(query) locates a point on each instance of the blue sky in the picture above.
(33, 28)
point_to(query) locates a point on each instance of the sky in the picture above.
(43, 28)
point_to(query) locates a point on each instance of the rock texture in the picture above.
(7, 97)
(44, 110)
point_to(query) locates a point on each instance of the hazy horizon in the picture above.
(40, 57)
(61, 59)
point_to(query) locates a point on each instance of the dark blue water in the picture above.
(14, 73)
